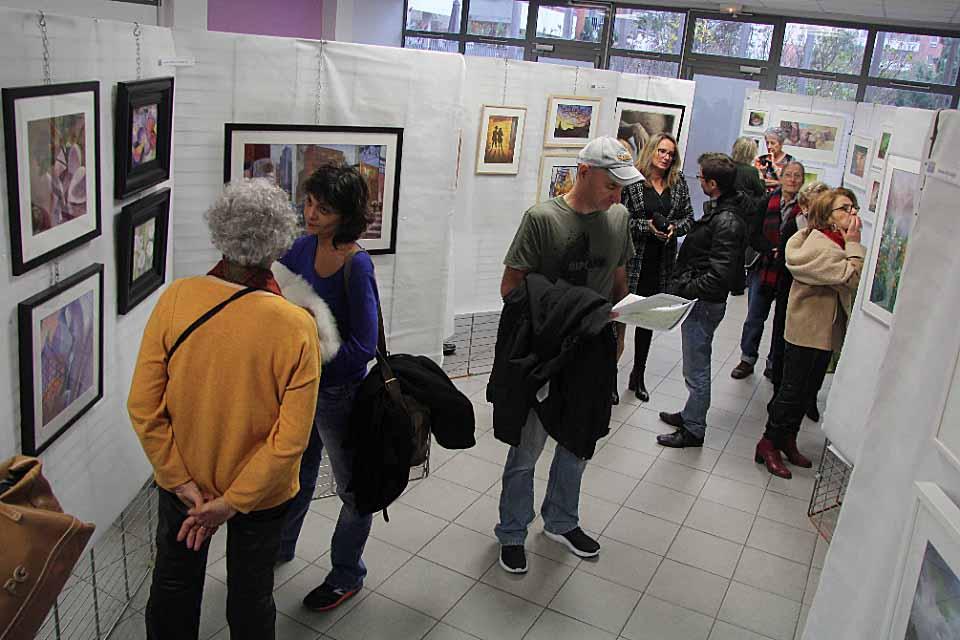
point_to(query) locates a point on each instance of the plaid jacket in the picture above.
(680, 215)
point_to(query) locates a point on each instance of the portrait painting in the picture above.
(61, 357)
(53, 178)
(143, 130)
(558, 173)
(639, 120)
(501, 140)
(289, 154)
(571, 121)
(141, 230)
(755, 120)
(812, 137)
(858, 162)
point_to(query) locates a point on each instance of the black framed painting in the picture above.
(61, 357)
(143, 128)
(640, 120)
(142, 228)
(289, 154)
(52, 139)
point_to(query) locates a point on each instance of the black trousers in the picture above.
(803, 371)
(173, 611)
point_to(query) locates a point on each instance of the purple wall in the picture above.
(294, 18)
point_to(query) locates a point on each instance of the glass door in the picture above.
(570, 33)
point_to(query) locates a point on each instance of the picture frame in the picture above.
(558, 172)
(812, 174)
(290, 153)
(143, 130)
(571, 120)
(882, 147)
(859, 162)
(873, 196)
(812, 137)
(639, 120)
(142, 229)
(896, 214)
(61, 357)
(51, 212)
(755, 120)
(927, 593)
(500, 143)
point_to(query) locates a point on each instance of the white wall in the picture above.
(104, 9)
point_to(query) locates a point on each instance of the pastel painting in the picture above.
(573, 121)
(67, 355)
(58, 175)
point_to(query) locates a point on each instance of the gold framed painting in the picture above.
(571, 121)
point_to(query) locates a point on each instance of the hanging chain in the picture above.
(138, 36)
(506, 66)
(317, 106)
(47, 79)
(54, 272)
(576, 82)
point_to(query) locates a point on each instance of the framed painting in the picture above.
(61, 357)
(899, 190)
(755, 120)
(289, 154)
(873, 195)
(858, 162)
(639, 120)
(143, 128)
(928, 593)
(52, 139)
(142, 229)
(811, 174)
(558, 172)
(571, 121)
(813, 137)
(501, 139)
(883, 148)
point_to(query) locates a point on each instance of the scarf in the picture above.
(836, 236)
(256, 277)
(771, 268)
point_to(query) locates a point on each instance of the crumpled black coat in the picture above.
(561, 334)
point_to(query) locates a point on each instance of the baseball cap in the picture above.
(607, 153)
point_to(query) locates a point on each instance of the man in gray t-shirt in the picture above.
(583, 238)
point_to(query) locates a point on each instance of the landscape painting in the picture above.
(571, 121)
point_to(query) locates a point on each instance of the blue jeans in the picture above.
(697, 331)
(758, 309)
(560, 508)
(331, 425)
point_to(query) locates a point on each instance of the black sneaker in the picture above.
(327, 598)
(577, 541)
(513, 559)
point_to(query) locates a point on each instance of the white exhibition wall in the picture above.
(864, 565)
(489, 207)
(97, 466)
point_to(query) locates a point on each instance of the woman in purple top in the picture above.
(336, 215)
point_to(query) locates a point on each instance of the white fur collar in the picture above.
(301, 293)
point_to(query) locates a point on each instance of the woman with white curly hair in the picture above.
(222, 399)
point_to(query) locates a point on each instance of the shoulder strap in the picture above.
(381, 334)
(209, 314)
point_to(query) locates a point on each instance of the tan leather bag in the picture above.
(39, 546)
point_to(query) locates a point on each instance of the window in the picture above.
(907, 98)
(748, 40)
(647, 30)
(498, 18)
(432, 44)
(821, 48)
(584, 25)
(644, 66)
(442, 16)
(817, 87)
(488, 50)
(916, 58)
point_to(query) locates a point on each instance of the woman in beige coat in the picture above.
(825, 260)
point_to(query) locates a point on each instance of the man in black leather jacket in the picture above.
(708, 267)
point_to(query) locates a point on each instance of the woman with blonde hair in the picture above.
(748, 180)
(825, 259)
(660, 212)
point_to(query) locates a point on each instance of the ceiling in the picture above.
(939, 14)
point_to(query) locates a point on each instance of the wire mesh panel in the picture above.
(829, 489)
(327, 484)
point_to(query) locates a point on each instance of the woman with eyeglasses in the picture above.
(660, 212)
(826, 259)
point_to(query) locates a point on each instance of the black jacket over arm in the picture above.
(559, 334)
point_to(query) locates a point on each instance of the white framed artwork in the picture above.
(883, 147)
(755, 120)
(571, 121)
(859, 159)
(814, 137)
(501, 139)
(558, 172)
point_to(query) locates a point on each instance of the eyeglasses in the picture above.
(667, 152)
(849, 208)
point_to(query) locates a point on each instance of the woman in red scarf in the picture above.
(825, 260)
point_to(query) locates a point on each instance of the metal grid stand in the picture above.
(107, 577)
(829, 489)
(327, 484)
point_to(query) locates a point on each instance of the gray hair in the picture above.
(252, 223)
(744, 150)
(810, 191)
(777, 133)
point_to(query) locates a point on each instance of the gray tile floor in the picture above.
(697, 544)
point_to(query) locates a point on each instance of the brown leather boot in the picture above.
(793, 454)
(768, 454)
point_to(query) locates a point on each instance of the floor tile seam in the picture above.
(639, 598)
(752, 513)
(787, 524)
(495, 588)
(690, 526)
(764, 591)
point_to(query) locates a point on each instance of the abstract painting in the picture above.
(141, 229)
(571, 121)
(61, 357)
(755, 120)
(558, 172)
(895, 218)
(501, 139)
(639, 120)
(289, 155)
(143, 129)
(858, 162)
(52, 137)
(814, 137)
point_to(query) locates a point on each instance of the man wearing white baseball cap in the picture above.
(583, 238)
